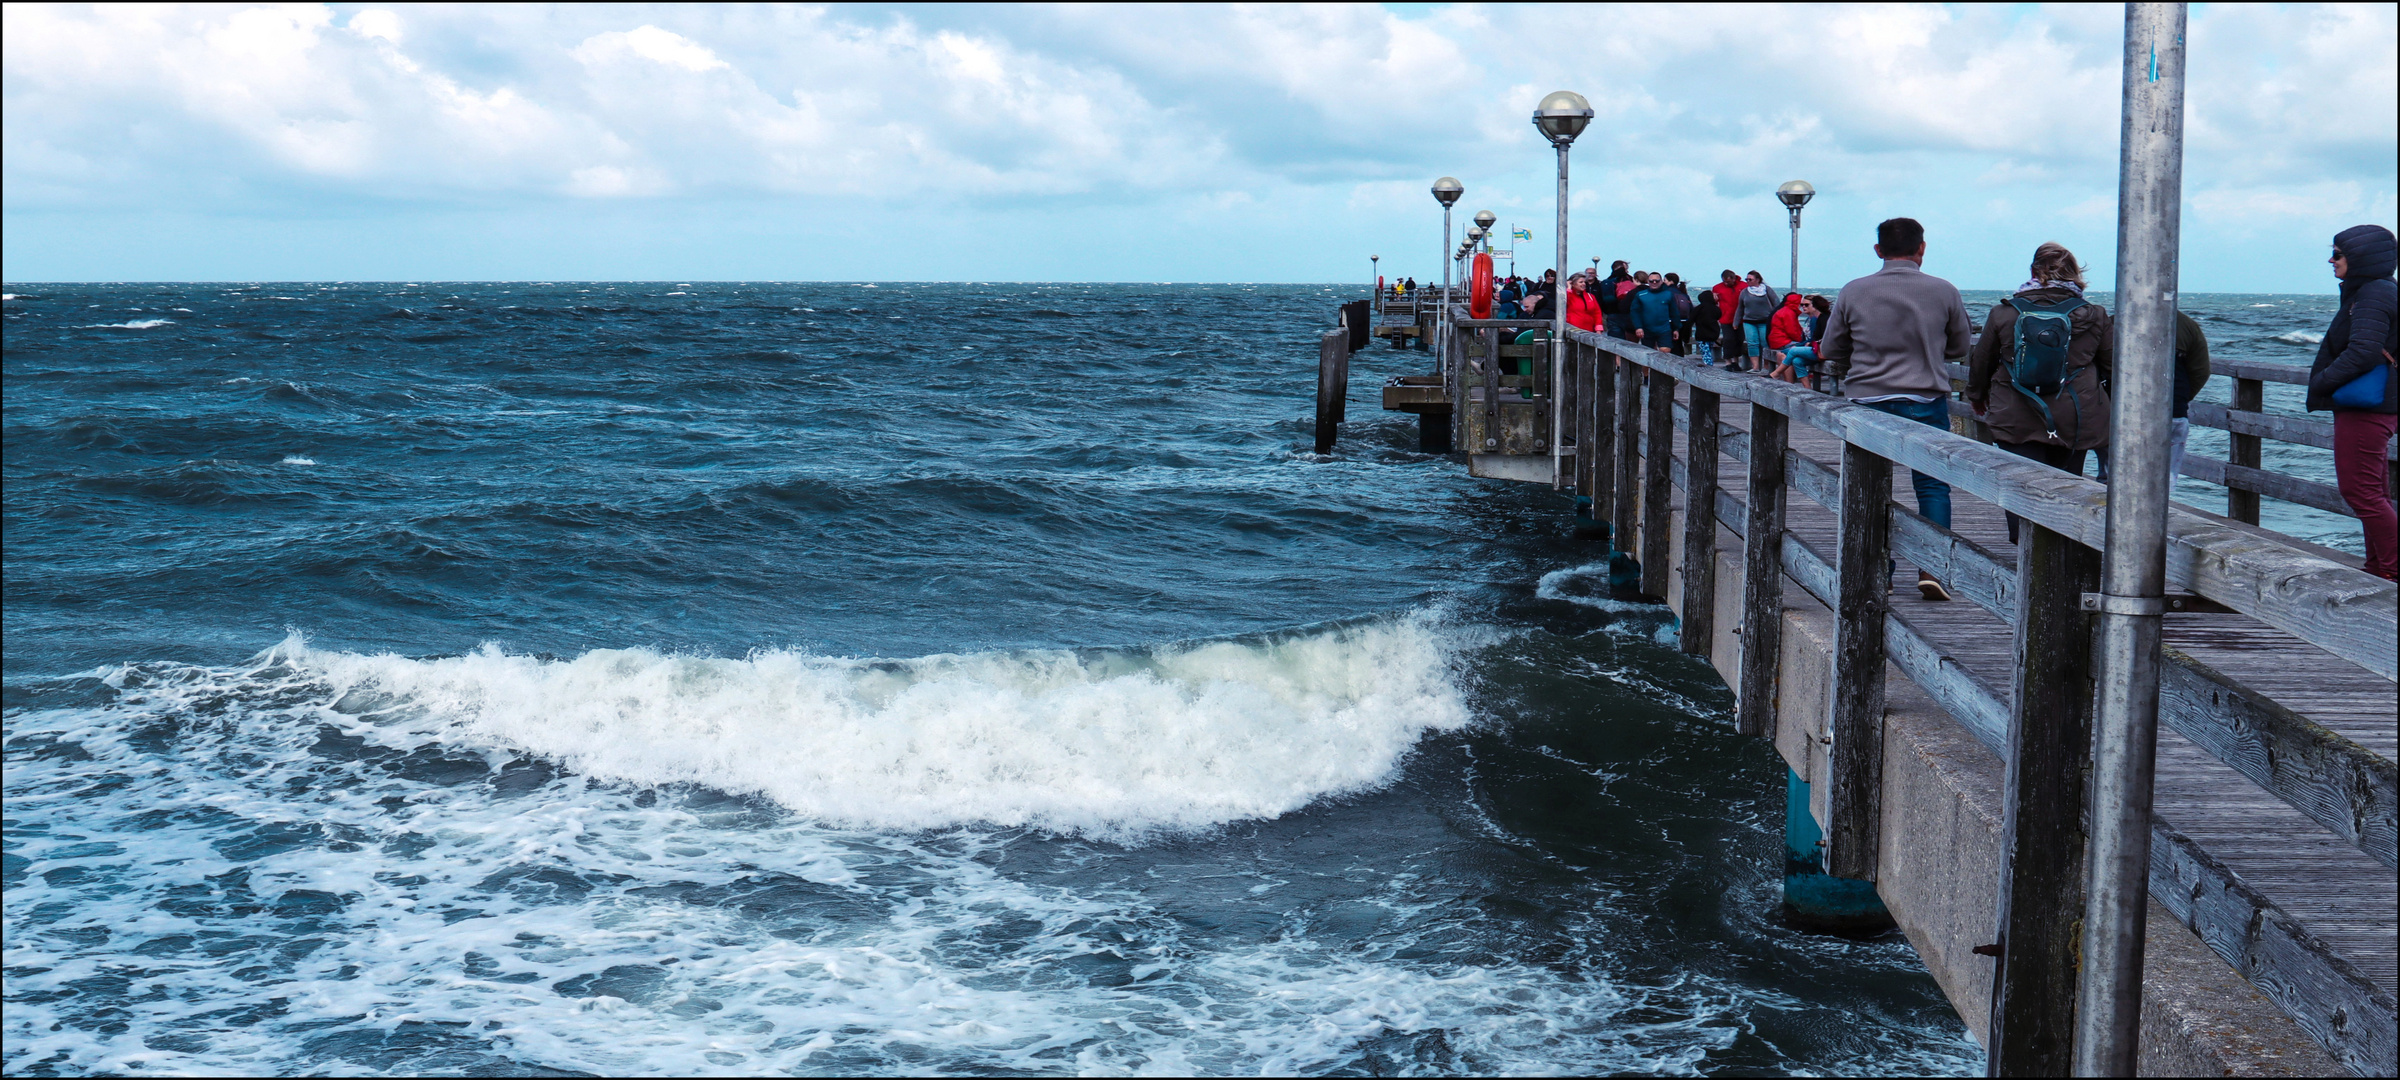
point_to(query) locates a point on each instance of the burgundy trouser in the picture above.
(2358, 439)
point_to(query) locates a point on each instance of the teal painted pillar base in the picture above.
(1812, 898)
(1587, 529)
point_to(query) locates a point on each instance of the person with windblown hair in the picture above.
(2358, 346)
(2044, 392)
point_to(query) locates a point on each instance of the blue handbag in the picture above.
(2366, 391)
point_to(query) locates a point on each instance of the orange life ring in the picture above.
(1479, 299)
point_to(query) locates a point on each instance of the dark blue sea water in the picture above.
(847, 678)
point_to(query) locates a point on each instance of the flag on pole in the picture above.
(1520, 234)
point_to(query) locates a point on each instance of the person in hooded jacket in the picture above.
(1787, 339)
(1683, 314)
(1728, 291)
(2363, 335)
(1651, 310)
(2080, 408)
(1612, 302)
(1705, 321)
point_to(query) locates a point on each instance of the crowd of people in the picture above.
(2038, 376)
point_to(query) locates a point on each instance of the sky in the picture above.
(1119, 143)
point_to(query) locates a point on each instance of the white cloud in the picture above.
(1888, 108)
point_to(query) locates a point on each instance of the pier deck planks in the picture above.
(2339, 893)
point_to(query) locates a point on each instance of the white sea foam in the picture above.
(1118, 745)
(605, 927)
(8, 296)
(295, 459)
(2302, 337)
(137, 324)
(1575, 585)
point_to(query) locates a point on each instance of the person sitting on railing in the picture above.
(2044, 391)
(1891, 335)
(1787, 340)
(1505, 305)
(2361, 340)
(1823, 316)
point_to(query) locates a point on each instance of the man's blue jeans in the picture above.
(1933, 496)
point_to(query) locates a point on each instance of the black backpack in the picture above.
(2039, 369)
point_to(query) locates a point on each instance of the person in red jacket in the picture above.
(1729, 338)
(1583, 308)
(1787, 340)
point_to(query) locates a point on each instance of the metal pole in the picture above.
(1558, 337)
(1795, 249)
(1442, 319)
(2133, 568)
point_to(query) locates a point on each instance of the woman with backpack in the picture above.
(2354, 377)
(2037, 374)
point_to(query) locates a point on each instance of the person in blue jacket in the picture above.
(1651, 311)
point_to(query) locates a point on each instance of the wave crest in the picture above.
(1117, 745)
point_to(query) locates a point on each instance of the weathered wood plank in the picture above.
(2328, 995)
(1700, 526)
(1602, 418)
(2249, 395)
(1626, 507)
(1970, 570)
(1762, 574)
(1942, 676)
(1657, 448)
(2234, 477)
(1855, 764)
(2337, 783)
(2041, 834)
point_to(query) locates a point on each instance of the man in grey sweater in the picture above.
(1891, 332)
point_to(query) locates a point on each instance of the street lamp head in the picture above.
(1796, 194)
(1562, 116)
(1448, 189)
(1485, 218)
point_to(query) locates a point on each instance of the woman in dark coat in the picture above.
(2079, 409)
(2362, 336)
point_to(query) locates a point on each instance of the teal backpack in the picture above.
(2039, 370)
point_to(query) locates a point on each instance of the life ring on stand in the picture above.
(1479, 298)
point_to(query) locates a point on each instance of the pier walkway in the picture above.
(1945, 745)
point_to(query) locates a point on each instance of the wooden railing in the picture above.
(2247, 424)
(2040, 724)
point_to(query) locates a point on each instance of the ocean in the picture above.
(861, 678)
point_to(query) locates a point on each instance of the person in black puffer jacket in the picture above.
(2362, 337)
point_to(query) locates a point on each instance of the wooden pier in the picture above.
(1945, 745)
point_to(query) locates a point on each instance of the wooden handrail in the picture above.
(2342, 610)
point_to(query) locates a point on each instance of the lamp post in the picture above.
(1446, 191)
(1561, 117)
(1795, 195)
(1483, 226)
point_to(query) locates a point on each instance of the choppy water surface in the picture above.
(845, 679)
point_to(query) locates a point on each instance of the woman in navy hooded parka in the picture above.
(2361, 339)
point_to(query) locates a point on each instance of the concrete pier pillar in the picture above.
(1812, 898)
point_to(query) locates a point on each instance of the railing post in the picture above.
(1492, 436)
(1854, 805)
(1700, 525)
(1762, 573)
(1600, 419)
(2042, 836)
(2240, 505)
(1658, 456)
(1625, 513)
